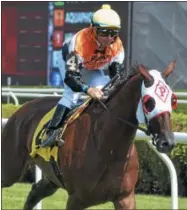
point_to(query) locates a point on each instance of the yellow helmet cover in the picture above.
(106, 18)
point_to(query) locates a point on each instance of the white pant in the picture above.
(93, 78)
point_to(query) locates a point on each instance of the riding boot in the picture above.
(56, 121)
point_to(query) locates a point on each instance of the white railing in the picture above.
(37, 93)
(33, 90)
(181, 138)
(38, 177)
(53, 90)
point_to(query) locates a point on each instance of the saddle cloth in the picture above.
(48, 152)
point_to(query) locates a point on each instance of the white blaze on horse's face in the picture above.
(156, 99)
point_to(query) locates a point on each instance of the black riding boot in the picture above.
(57, 120)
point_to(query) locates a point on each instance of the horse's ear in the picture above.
(143, 71)
(169, 69)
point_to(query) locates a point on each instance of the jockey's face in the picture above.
(106, 36)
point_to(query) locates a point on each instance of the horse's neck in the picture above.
(127, 98)
(111, 133)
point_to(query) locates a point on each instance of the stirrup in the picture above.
(50, 140)
(60, 142)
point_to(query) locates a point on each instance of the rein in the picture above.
(146, 131)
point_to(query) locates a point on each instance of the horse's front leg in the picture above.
(74, 203)
(40, 190)
(126, 202)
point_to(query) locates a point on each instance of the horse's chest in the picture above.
(119, 177)
(108, 185)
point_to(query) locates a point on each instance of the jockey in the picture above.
(89, 53)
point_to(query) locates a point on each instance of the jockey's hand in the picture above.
(95, 93)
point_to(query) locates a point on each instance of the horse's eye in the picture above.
(174, 101)
(148, 104)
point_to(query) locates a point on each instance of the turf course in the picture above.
(14, 197)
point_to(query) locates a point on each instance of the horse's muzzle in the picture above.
(166, 142)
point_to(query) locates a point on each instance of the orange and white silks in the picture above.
(84, 44)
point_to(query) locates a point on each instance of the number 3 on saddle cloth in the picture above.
(58, 133)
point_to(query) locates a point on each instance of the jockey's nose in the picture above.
(110, 37)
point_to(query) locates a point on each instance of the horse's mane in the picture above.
(131, 73)
(124, 79)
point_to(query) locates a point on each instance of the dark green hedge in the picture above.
(154, 176)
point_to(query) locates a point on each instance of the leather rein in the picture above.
(147, 130)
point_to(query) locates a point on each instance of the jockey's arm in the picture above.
(74, 80)
(116, 68)
(117, 64)
(73, 76)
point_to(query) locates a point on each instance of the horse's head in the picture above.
(156, 104)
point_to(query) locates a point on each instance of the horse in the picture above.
(98, 162)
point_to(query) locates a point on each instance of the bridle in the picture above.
(147, 130)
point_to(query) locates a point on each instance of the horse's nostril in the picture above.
(164, 144)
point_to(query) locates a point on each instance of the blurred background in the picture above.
(33, 35)
(153, 33)
(159, 35)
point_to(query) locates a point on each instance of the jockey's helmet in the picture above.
(106, 18)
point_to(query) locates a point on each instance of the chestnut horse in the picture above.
(98, 162)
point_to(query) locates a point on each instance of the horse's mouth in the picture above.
(166, 142)
(164, 147)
